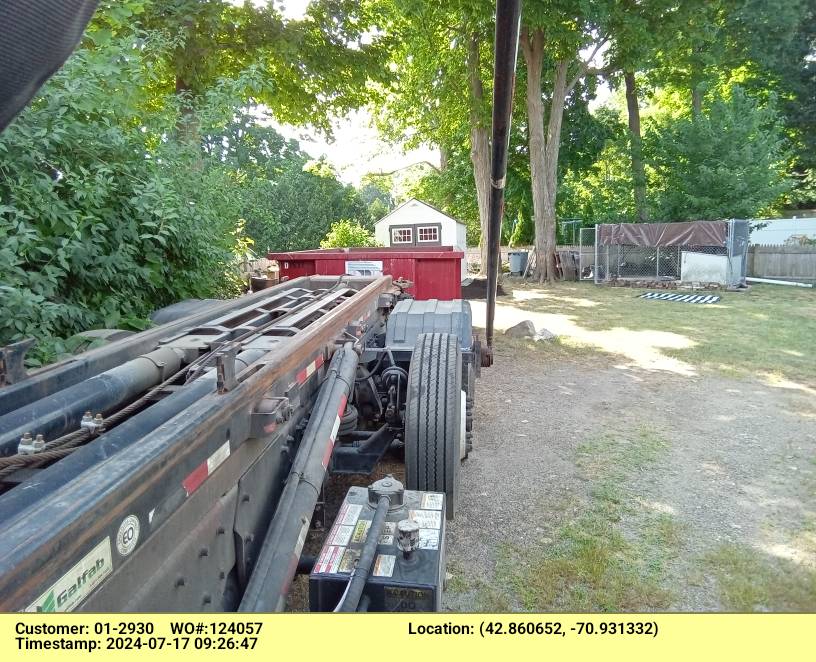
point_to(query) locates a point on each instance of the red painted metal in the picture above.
(434, 271)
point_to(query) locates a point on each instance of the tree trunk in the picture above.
(543, 149)
(636, 147)
(697, 84)
(444, 157)
(532, 46)
(187, 125)
(696, 100)
(559, 97)
(479, 146)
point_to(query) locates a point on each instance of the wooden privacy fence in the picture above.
(783, 262)
(473, 256)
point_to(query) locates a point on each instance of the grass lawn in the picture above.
(768, 332)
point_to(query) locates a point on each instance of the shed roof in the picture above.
(415, 201)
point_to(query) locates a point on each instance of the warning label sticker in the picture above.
(330, 559)
(387, 535)
(384, 565)
(432, 501)
(349, 560)
(427, 519)
(341, 535)
(429, 538)
(349, 513)
(360, 531)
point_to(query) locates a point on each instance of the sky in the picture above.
(357, 149)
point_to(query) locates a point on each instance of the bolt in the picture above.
(180, 582)
(203, 552)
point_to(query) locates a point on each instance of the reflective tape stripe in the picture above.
(203, 471)
(310, 369)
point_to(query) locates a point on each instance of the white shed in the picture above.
(416, 223)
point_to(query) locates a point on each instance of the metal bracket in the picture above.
(94, 424)
(225, 368)
(12, 362)
(29, 446)
(386, 301)
(268, 415)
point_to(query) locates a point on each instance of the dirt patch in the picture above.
(650, 475)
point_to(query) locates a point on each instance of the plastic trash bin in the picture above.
(518, 261)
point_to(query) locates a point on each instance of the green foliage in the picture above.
(294, 209)
(427, 99)
(348, 234)
(308, 69)
(727, 163)
(102, 218)
(602, 194)
(140, 175)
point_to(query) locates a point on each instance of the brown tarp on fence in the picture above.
(695, 233)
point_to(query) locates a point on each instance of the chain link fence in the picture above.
(725, 265)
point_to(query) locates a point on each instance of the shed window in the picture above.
(428, 233)
(402, 236)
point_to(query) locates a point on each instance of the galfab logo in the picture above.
(49, 604)
(76, 584)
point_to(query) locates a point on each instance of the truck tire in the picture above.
(433, 417)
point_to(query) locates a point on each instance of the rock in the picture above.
(548, 336)
(525, 329)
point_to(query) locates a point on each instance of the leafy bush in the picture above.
(347, 234)
(104, 215)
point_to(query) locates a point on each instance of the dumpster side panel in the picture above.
(297, 268)
(434, 271)
(404, 268)
(438, 279)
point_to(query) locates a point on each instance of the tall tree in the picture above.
(441, 55)
(306, 70)
(560, 41)
(640, 30)
(727, 161)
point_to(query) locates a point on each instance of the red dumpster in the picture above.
(434, 271)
